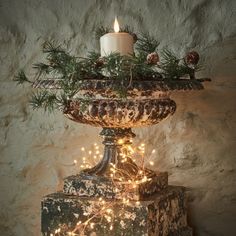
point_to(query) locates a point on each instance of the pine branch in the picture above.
(60, 62)
(117, 66)
(174, 68)
(21, 78)
(41, 68)
(37, 99)
(93, 56)
(63, 100)
(146, 44)
(169, 64)
(52, 47)
(44, 99)
(122, 70)
(141, 69)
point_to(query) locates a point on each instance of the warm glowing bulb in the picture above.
(120, 141)
(75, 162)
(109, 210)
(116, 26)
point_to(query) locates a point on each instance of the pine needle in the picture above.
(146, 43)
(21, 78)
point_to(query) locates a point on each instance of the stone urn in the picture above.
(146, 103)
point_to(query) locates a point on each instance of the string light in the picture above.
(120, 141)
(122, 187)
(137, 203)
(151, 163)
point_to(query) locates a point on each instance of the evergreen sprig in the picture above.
(48, 100)
(173, 67)
(146, 43)
(21, 78)
(71, 71)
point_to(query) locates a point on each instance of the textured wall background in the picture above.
(197, 145)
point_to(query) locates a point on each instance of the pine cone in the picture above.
(99, 62)
(192, 58)
(152, 58)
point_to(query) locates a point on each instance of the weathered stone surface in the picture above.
(84, 185)
(160, 215)
(196, 145)
(120, 113)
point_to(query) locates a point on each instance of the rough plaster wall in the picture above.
(196, 145)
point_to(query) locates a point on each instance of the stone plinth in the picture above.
(84, 185)
(163, 214)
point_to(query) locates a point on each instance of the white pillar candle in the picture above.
(119, 42)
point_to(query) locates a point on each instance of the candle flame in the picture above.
(116, 26)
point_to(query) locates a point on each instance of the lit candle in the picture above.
(119, 42)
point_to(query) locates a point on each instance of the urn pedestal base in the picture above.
(162, 214)
(84, 185)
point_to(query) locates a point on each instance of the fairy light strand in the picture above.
(105, 211)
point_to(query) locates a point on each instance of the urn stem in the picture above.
(114, 141)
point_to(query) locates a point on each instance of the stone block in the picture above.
(99, 186)
(163, 214)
